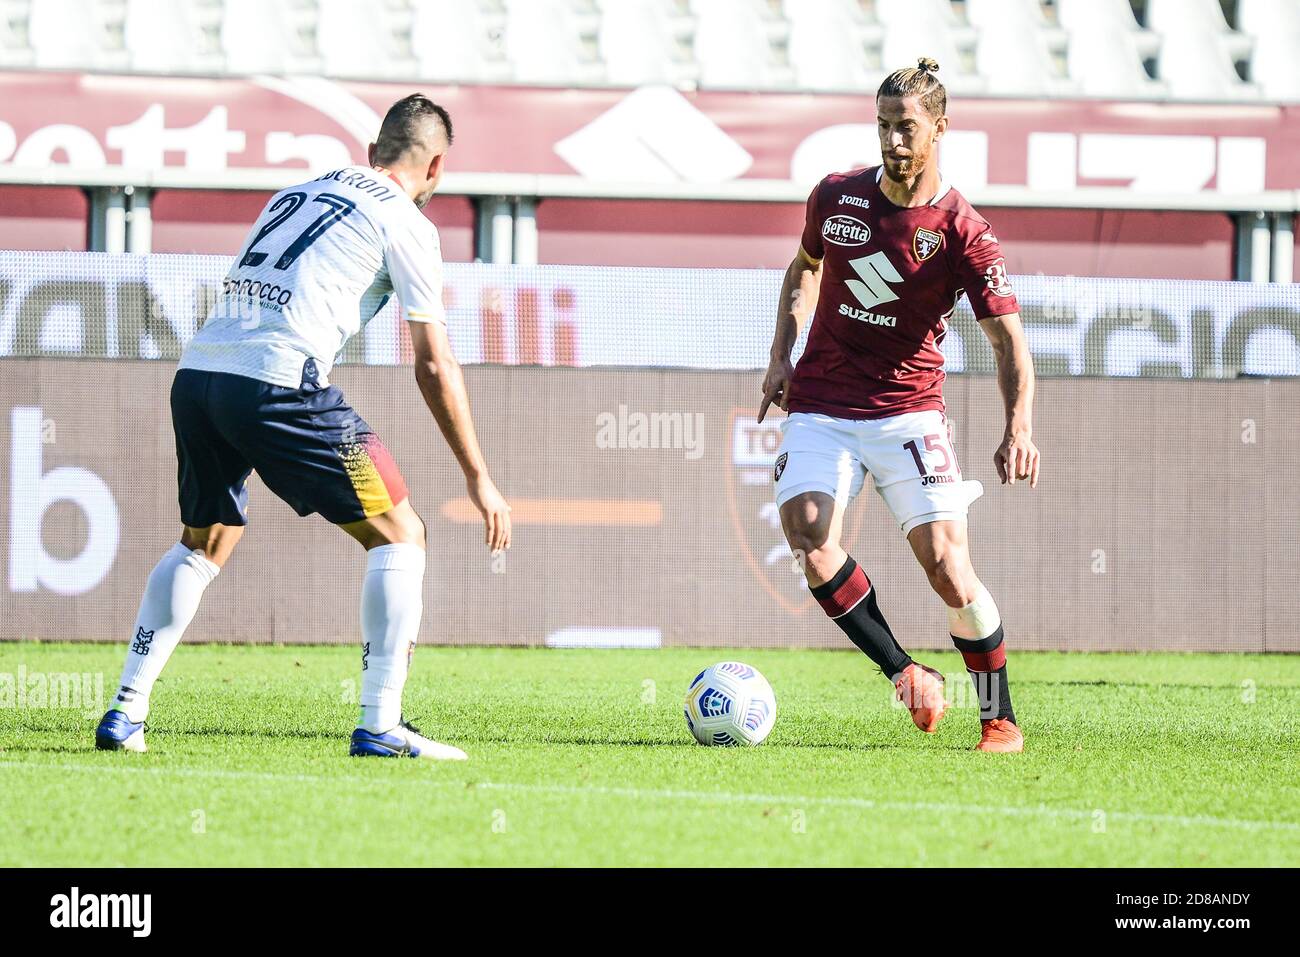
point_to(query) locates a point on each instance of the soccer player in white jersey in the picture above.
(252, 392)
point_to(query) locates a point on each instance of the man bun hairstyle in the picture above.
(406, 127)
(921, 81)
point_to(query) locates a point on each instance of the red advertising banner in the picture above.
(654, 134)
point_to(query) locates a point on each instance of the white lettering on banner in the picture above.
(754, 444)
(206, 145)
(654, 135)
(1151, 163)
(317, 150)
(1056, 161)
(101, 305)
(963, 154)
(843, 146)
(31, 494)
(80, 146)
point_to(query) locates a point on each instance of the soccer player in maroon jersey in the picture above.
(886, 252)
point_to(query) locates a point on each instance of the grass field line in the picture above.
(668, 794)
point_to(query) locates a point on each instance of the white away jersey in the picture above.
(320, 261)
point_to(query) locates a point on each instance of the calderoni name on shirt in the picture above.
(367, 184)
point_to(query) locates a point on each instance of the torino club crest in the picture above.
(751, 500)
(925, 243)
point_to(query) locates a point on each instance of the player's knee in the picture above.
(952, 578)
(217, 542)
(807, 533)
(420, 531)
(408, 528)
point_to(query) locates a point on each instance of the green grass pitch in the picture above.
(583, 758)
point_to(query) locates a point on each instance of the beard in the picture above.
(907, 169)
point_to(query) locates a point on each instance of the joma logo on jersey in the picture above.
(846, 200)
(862, 315)
(845, 231)
(937, 480)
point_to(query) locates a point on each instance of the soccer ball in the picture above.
(730, 704)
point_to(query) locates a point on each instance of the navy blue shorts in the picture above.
(307, 444)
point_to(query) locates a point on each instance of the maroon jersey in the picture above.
(891, 277)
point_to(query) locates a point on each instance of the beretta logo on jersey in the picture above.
(845, 231)
(925, 242)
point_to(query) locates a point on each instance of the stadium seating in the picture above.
(172, 36)
(458, 40)
(1107, 48)
(644, 41)
(68, 33)
(269, 36)
(1180, 49)
(346, 51)
(1197, 50)
(917, 28)
(832, 44)
(1274, 28)
(1017, 52)
(733, 45)
(551, 41)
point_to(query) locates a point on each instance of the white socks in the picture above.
(979, 619)
(170, 600)
(392, 600)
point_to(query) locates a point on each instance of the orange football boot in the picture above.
(999, 734)
(921, 691)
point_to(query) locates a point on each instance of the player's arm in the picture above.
(1017, 456)
(414, 263)
(798, 299)
(442, 384)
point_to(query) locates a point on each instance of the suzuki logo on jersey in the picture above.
(846, 200)
(845, 231)
(925, 242)
(871, 318)
(875, 273)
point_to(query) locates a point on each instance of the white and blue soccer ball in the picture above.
(730, 704)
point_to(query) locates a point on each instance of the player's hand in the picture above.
(776, 386)
(491, 504)
(1017, 458)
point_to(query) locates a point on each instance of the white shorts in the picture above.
(909, 456)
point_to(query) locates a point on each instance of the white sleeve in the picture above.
(414, 260)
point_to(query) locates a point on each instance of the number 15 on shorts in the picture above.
(933, 443)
